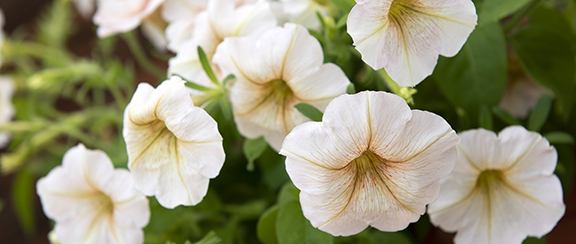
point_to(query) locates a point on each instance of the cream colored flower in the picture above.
(91, 202)
(304, 12)
(85, 7)
(502, 189)
(405, 37)
(174, 148)
(274, 72)
(371, 162)
(220, 20)
(181, 16)
(6, 107)
(118, 16)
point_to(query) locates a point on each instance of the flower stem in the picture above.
(521, 14)
(140, 56)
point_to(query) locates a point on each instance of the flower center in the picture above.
(399, 8)
(488, 178)
(367, 162)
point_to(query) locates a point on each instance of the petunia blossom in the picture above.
(174, 148)
(304, 12)
(181, 16)
(118, 16)
(222, 18)
(274, 72)
(371, 162)
(502, 188)
(405, 37)
(91, 202)
(6, 107)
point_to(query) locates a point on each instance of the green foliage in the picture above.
(253, 149)
(309, 111)
(539, 113)
(546, 49)
(494, 10)
(477, 75)
(23, 191)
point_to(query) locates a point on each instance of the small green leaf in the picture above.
(540, 113)
(288, 193)
(226, 107)
(342, 21)
(309, 111)
(228, 78)
(494, 10)
(533, 240)
(196, 86)
(485, 118)
(210, 238)
(22, 196)
(505, 116)
(266, 228)
(253, 149)
(293, 228)
(351, 89)
(206, 66)
(344, 5)
(559, 137)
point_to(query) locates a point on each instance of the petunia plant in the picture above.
(289, 121)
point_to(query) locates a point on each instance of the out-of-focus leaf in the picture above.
(253, 149)
(288, 193)
(293, 228)
(309, 111)
(505, 116)
(351, 89)
(250, 210)
(266, 228)
(494, 10)
(22, 197)
(210, 238)
(1, 205)
(566, 167)
(540, 113)
(226, 107)
(485, 118)
(206, 66)
(533, 240)
(559, 137)
(546, 50)
(344, 5)
(389, 237)
(477, 75)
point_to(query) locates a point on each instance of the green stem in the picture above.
(521, 14)
(141, 57)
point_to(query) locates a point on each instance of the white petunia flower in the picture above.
(304, 12)
(181, 16)
(118, 16)
(274, 72)
(6, 107)
(221, 19)
(502, 189)
(405, 37)
(91, 202)
(174, 148)
(371, 162)
(85, 7)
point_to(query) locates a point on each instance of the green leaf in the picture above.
(546, 50)
(494, 10)
(253, 149)
(559, 137)
(505, 116)
(533, 240)
(293, 228)
(228, 78)
(351, 89)
(540, 113)
(485, 118)
(196, 86)
(344, 5)
(477, 75)
(309, 111)
(22, 200)
(266, 228)
(288, 193)
(389, 237)
(342, 21)
(210, 238)
(226, 107)
(206, 66)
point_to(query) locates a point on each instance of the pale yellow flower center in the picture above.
(368, 162)
(399, 9)
(488, 178)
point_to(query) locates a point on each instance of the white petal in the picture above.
(155, 34)
(408, 45)
(116, 16)
(173, 10)
(85, 7)
(173, 150)
(326, 83)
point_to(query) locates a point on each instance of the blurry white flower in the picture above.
(502, 189)
(85, 7)
(153, 28)
(118, 16)
(405, 37)
(371, 162)
(91, 202)
(274, 72)
(221, 19)
(6, 107)
(304, 12)
(174, 148)
(181, 15)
